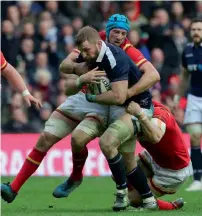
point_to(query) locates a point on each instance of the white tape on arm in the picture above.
(25, 93)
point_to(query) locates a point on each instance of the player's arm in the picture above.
(116, 96)
(70, 65)
(14, 78)
(119, 84)
(153, 129)
(74, 83)
(150, 74)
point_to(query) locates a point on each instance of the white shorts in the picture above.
(164, 180)
(76, 111)
(77, 107)
(193, 112)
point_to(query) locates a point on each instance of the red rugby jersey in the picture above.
(171, 152)
(137, 57)
(3, 62)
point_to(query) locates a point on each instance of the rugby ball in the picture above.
(101, 87)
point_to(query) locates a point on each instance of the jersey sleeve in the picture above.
(137, 57)
(120, 71)
(161, 114)
(184, 64)
(3, 62)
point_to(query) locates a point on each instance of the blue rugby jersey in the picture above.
(118, 66)
(192, 62)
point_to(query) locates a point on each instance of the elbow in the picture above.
(155, 138)
(66, 67)
(119, 99)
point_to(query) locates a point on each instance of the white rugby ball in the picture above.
(101, 87)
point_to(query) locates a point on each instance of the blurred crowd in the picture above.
(36, 36)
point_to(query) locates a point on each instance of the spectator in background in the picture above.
(13, 15)
(38, 123)
(67, 33)
(52, 7)
(198, 9)
(18, 123)
(43, 80)
(134, 37)
(132, 10)
(25, 12)
(177, 12)
(77, 24)
(179, 38)
(9, 42)
(27, 54)
(186, 23)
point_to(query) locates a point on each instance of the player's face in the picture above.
(117, 36)
(196, 32)
(90, 51)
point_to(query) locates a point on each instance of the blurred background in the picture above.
(36, 36)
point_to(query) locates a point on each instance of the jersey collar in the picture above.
(102, 52)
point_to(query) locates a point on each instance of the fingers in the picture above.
(94, 69)
(100, 73)
(28, 102)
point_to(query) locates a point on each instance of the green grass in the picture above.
(93, 198)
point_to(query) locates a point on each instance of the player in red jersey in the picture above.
(165, 160)
(10, 73)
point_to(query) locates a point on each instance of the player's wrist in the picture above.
(79, 83)
(141, 115)
(25, 93)
(91, 97)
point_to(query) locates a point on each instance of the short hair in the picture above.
(87, 33)
(196, 20)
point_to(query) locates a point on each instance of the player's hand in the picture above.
(29, 99)
(93, 76)
(134, 108)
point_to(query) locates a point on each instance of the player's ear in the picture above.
(99, 43)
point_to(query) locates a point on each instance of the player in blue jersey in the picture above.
(192, 69)
(123, 74)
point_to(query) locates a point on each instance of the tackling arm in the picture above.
(116, 96)
(150, 74)
(149, 78)
(154, 129)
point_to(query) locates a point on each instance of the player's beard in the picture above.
(197, 39)
(91, 60)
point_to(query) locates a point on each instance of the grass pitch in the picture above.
(93, 198)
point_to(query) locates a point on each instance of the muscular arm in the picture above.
(153, 130)
(70, 84)
(11, 74)
(149, 78)
(116, 96)
(150, 74)
(70, 66)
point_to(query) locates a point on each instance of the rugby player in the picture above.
(122, 73)
(11, 74)
(50, 136)
(117, 28)
(192, 70)
(165, 160)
